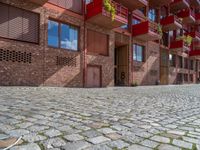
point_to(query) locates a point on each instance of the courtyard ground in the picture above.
(140, 118)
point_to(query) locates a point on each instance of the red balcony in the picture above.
(195, 3)
(179, 45)
(196, 45)
(133, 4)
(170, 23)
(159, 3)
(40, 2)
(146, 31)
(194, 35)
(179, 5)
(197, 16)
(97, 14)
(187, 15)
(194, 53)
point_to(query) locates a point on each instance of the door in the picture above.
(93, 76)
(121, 66)
(164, 67)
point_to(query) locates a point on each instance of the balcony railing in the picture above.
(194, 53)
(177, 5)
(179, 45)
(197, 16)
(133, 4)
(146, 31)
(195, 35)
(159, 3)
(97, 14)
(187, 15)
(170, 23)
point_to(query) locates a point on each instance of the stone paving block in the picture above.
(31, 146)
(33, 137)
(3, 136)
(113, 136)
(138, 147)
(160, 139)
(18, 132)
(168, 147)
(98, 140)
(79, 145)
(181, 143)
(74, 137)
(177, 132)
(52, 133)
(91, 133)
(149, 143)
(106, 130)
(119, 144)
(53, 143)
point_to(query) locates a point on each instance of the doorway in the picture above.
(164, 67)
(93, 76)
(121, 66)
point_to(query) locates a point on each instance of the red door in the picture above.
(93, 76)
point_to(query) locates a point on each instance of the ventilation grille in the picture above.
(66, 61)
(14, 56)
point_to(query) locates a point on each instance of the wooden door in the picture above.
(93, 76)
(164, 67)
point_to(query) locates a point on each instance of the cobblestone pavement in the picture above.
(140, 118)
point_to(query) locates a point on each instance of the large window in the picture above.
(62, 35)
(19, 24)
(138, 53)
(152, 15)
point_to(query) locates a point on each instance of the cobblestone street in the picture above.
(140, 118)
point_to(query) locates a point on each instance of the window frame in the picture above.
(135, 51)
(59, 34)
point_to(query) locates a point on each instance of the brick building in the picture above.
(73, 43)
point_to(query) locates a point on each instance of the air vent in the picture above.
(15, 56)
(66, 61)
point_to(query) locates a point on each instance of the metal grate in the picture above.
(15, 56)
(66, 61)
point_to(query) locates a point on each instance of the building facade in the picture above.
(97, 43)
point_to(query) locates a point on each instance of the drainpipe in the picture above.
(130, 52)
(84, 45)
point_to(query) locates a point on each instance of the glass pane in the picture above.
(139, 53)
(134, 53)
(64, 35)
(53, 33)
(73, 38)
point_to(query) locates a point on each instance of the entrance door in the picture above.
(164, 66)
(121, 66)
(93, 76)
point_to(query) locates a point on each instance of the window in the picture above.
(135, 21)
(138, 53)
(186, 63)
(152, 15)
(172, 59)
(180, 62)
(19, 24)
(62, 35)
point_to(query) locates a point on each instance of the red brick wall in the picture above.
(148, 72)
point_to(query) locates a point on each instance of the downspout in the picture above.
(84, 45)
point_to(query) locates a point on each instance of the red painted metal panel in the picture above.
(141, 28)
(167, 20)
(194, 53)
(176, 44)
